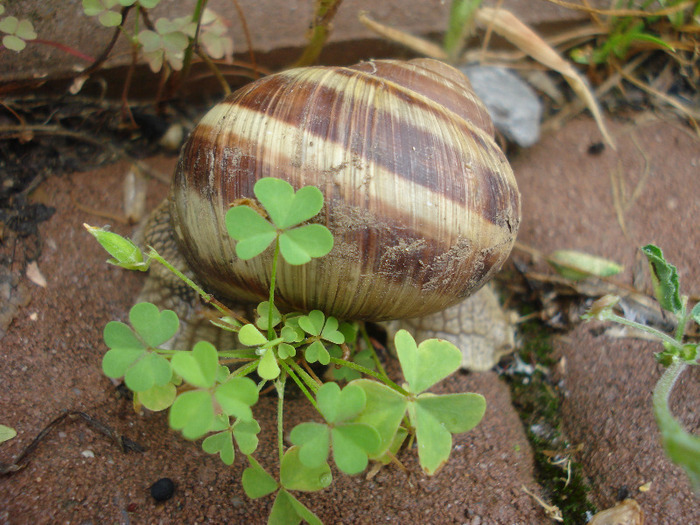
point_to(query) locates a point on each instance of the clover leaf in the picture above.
(168, 42)
(131, 356)
(320, 328)
(193, 413)
(287, 210)
(198, 367)
(435, 417)
(268, 368)
(244, 433)
(158, 397)
(17, 32)
(350, 441)
(236, 396)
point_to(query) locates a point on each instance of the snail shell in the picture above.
(421, 201)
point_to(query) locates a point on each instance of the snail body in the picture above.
(422, 203)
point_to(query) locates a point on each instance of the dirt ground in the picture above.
(52, 351)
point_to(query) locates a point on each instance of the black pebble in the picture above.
(596, 148)
(163, 489)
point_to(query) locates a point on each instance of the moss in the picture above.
(537, 401)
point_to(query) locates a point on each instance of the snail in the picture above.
(422, 203)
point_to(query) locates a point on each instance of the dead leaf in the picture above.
(627, 512)
(35, 275)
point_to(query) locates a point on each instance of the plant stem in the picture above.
(270, 329)
(279, 386)
(299, 383)
(207, 298)
(247, 369)
(320, 29)
(388, 382)
(303, 374)
(370, 346)
(644, 328)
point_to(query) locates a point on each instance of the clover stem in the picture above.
(279, 386)
(312, 383)
(208, 298)
(370, 346)
(644, 328)
(388, 382)
(247, 369)
(299, 382)
(273, 276)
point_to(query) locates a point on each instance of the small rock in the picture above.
(163, 489)
(514, 106)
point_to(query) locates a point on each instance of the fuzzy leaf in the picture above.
(665, 279)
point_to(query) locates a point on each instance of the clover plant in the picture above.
(368, 419)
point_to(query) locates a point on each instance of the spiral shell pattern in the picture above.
(421, 201)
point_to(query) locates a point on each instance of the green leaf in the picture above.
(148, 370)
(665, 279)
(287, 510)
(352, 443)
(428, 363)
(221, 443)
(299, 245)
(236, 396)
(268, 367)
(253, 233)
(256, 481)
(435, 418)
(384, 410)
(6, 433)
(14, 43)
(110, 18)
(263, 311)
(313, 323)
(316, 352)
(457, 413)
(158, 397)
(330, 332)
(314, 442)
(193, 413)
(245, 433)
(249, 335)
(336, 405)
(576, 266)
(307, 202)
(198, 367)
(115, 363)
(276, 196)
(285, 350)
(294, 475)
(695, 313)
(684, 449)
(154, 327)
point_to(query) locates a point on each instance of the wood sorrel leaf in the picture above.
(285, 207)
(664, 277)
(198, 367)
(148, 370)
(193, 413)
(384, 410)
(425, 364)
(352, 443)
(249, 335)
(300, 245)
(316, 352)
(256, 481)
(340, 405)
(294, 475)
(236, 396)
(221, 443)
(157, 397)
(263, 311)
(268, 367)
(288, 510)
(314, 442)
(253, 233)
(313, 323)
(154, 327)
(245, 433)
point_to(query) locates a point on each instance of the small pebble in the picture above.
(163, 489)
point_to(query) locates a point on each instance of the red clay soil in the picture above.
(52, 352)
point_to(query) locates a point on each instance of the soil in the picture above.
(52, 351)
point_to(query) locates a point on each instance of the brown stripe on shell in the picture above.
(393, 141)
